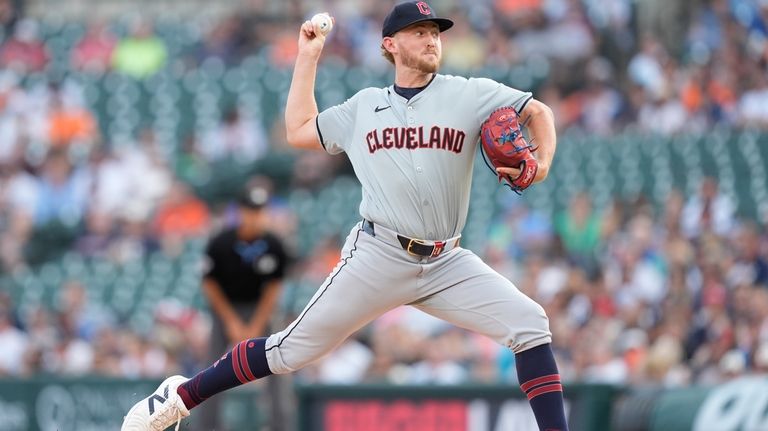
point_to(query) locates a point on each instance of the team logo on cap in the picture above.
(423, 8)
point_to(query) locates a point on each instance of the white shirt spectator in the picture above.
(665, 116)
(20, 193)
(710, 208)
(753, 107)
(236, 137)
(346, 365)
(14, 345)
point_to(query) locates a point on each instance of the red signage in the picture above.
(400, 415)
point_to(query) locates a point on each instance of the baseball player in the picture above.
(412, 146)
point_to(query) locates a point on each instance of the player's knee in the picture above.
(538, 317)
(284, 356)
(533, 328)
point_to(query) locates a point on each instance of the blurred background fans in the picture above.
(128, 127)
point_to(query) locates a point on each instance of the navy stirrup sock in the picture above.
(540, 380)
(246, 362)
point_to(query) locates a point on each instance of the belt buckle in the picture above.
(411, 241)
(438, 248)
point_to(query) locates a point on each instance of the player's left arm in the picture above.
(258, 324)
(540, 122)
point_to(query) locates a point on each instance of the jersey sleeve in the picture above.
(277, 249)
(492, 95)
(335, 125)
(210, 267)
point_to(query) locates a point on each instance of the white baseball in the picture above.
(322, 22)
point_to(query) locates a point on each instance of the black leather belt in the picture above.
(419, 248)
(413, 246)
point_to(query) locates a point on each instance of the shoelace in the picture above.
(165, 416)
(178, 419)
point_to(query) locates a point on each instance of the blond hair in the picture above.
(386, 54)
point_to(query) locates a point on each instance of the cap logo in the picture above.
(423, 8)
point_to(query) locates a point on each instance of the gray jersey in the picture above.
(414, 157)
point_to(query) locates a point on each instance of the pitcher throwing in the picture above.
(412, 146)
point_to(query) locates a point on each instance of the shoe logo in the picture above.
(381, 109)
(160, 398)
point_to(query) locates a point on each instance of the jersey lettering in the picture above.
(412, 144)
(412, 138)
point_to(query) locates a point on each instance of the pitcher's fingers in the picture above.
(308, 28)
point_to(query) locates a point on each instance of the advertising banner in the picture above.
(462, 408)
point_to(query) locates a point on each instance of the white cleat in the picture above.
(158, 411)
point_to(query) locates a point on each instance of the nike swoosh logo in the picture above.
(381, 109)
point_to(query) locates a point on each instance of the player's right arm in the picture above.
(301, 107)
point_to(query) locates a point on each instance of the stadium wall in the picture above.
(90, 404)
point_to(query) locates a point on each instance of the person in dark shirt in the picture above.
(242, 280)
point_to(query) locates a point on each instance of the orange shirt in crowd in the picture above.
(187, 218)
(65, 126)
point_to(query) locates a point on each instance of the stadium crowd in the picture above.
(634, 293)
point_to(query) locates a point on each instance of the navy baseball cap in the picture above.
(255, 197)
(409, 13)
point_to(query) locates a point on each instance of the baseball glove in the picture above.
(504, 145)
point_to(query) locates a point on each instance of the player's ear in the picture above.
(388, 44)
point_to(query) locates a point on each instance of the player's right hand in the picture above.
(311, 41)
(235, 330)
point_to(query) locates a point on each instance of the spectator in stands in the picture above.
(109, 182)
(669, 19)
(141, 358)
(43, 335)
(98, 236)
(439, 364)
(12, 118)
(601, 103)
(236, 138)
(191, 165)
(24, 51)
(18, 205)
(9, 14)
(579, 230)
(141, 54)
(70, 124)
(80, 317)
(646, 68)
(14, 344)
(518, 15)
(144, 192)
(519, 231)
(750, 265)
(134, 239)
(635, 275)
(223, 42)
(346, 365)
(465, 50)
(61, 195)
(708, 211)
(753, 104)
(180, 216)
(93, 53)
